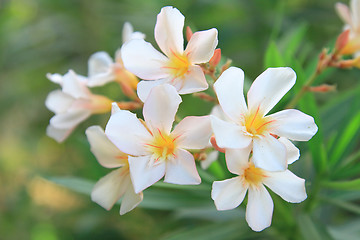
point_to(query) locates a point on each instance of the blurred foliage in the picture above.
(40, 36)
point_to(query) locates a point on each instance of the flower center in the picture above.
(163, 146)
(256, 124)
(178, 64)
(253, 175)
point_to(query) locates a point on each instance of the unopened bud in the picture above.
(342, 40)
(214, 61)
(323, 88)
(129, 105)
(226, 65)
(189, 33)
(214, 144)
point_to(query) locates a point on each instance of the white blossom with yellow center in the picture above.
(229, 193)
(177, 67)
(247, 124)
(156, 151)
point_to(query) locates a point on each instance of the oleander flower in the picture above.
(229, 193)
(154, 149)
(248, 124)
(117, 184)
(177, 67)
(351, 18)
(72, 105)
(102, 68)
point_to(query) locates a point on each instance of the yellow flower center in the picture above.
(256, 124)
(178, 64)
(163, 146)
(253, 175)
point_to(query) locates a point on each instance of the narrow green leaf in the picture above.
(273, 57)
(342, 204)
(343, 185)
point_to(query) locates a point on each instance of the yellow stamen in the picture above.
(253, 175)
(256, 124)
(163, 146)
(178, 64)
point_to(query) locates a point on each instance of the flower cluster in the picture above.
(258, 146)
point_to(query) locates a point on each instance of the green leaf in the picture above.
(291, 42)
(311, 229)
(343, 185)
(342, 204)
(273, 57)
(79, 185)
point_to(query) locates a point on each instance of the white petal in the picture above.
(127, 31)
(292, 152)
(160, 108)
(182, 170)
(210, 158)
(126, 131)
(55, 78)
(74, 86)
(355, 13)
(104, 150)
(58, 134)
(228, 194)
(237, 159)
(269, 154)
(287, 185)
(130, 200)
(219, 113)
(143, 60)
(143, 174)
(114, 108)
(193, 81)
(229, 90)
(144, 87)
(259, 208)
(169, 30)
(269, 87)
(294, 125)
(58, 101)
(100, 66)
(110, 188)
(70, 118)
(193, 132)
(201, 46)
(229, 135)
(343, 12)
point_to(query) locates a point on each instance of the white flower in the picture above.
(248, 125)
(229, 193)
(178, 67)
(102, 68)
(117, 183)
(72, 105)
(351, 18)
(154, 149)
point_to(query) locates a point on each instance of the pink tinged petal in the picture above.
(294, 124)
(143, 174)
(201, 46)
(74, 86)
(228, 194)
(104, 150)
(70, 118)
(130, 200)
(269, 153)
(344, 12)
(269, 87)
(355, 13)
(126, 131)
(143, 60)
(229, 90)
(110, 188)
(55, 78)
(193, 132)
(229, 135)
(259, 208)
(58, 102)
(115, 108)
(160, 107)
(182, 169)
(193, 81)
(58, 134)
(292, 152)
(237, 159)
(144, 87)
(287, 185)
(100, 69)
(169, 30)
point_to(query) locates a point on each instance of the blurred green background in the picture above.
(42, 36)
